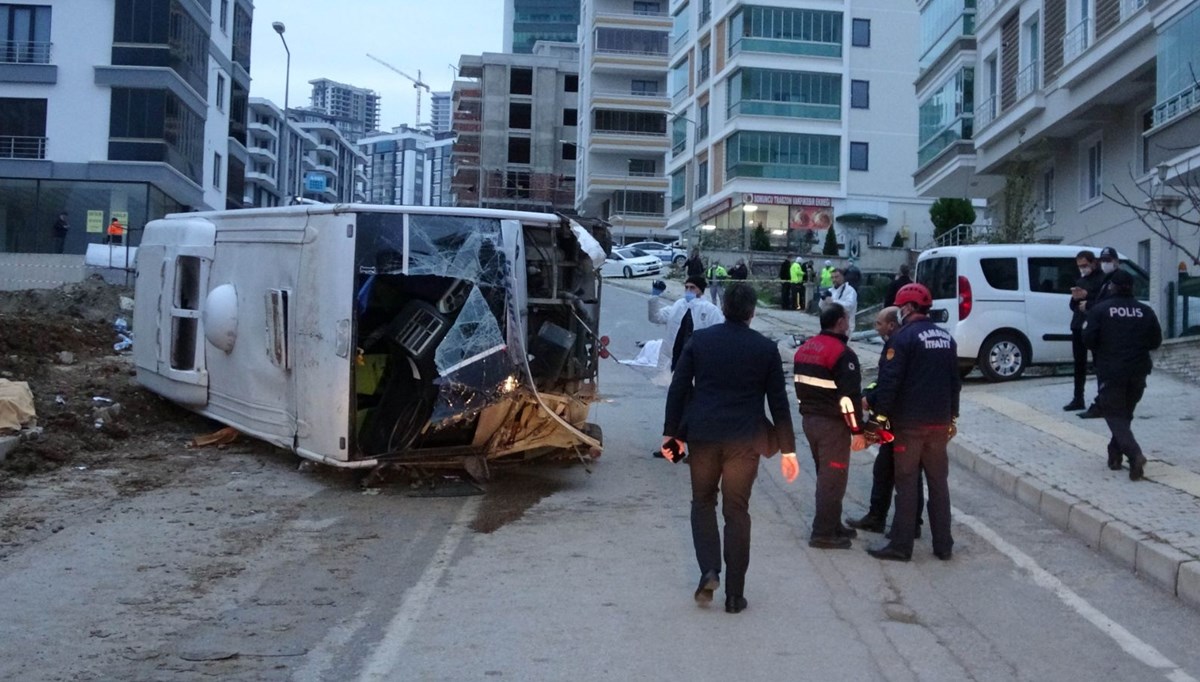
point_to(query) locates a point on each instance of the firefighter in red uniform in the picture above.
(829, 391)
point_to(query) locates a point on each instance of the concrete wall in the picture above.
(1179, 356)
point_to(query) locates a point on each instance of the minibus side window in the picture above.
(940, 276)
(1052, 275)
(1000, 273)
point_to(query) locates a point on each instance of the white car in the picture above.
(667, 253)
(1006, 304)
(630, 262)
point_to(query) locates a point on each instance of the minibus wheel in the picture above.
(1003, 357)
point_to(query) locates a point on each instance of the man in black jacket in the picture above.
(1083, 295)
(715, 408)
(889, 298)
(785, 283)
(829, 390)
(1121, 331)
(918, 390)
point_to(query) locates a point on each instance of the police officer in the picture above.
(828, 389)
(917, 396)
(1083, 294)
(1121, 331)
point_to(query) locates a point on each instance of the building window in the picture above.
(860, 94)
(860, 32)
(518, 150)
(644, 87)
(859, 151)
(155, 125)
(519, 115)
(790, 94)
(570, 117)
(649, 8)
(520, 82)
(681, 23)
(22, 128)
(1092, 172)
(571, 83)
(24, 34)
(679, 128)
(220, 92)
(702, 122)
(216, 170)
(816, 33)
(224, 19)
(701, 179)
(1048, 193)
(783, 156)
(638, 122)
(569, 151)
(677, 80)
(643, 168)
(705, 63)
(679, 189)
(631, 41)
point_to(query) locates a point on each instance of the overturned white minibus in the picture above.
(356, 335)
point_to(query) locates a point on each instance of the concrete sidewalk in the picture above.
(1017, 436)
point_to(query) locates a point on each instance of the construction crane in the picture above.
(417, 84)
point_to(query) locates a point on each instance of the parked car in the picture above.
(1007, 304)
(667, 253)
(630, 262)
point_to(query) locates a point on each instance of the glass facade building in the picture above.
(810, 32)
(534, 20)
(791, 94)
(783, 156)
(946, 116)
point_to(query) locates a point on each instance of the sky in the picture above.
(332, 40)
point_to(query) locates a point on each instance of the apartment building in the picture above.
(338, 173)
(515, 120)
(440, 111)
(788, 118)
(280, 156)
(119, 108)
(408, 167)
(353, 110)
(1070, 106)
(528, 21)
(624, 52)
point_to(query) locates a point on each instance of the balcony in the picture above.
(985, 8)
(1077, 40)
(24, 52)
(630, 98)
(805, 48)
(1029, 79)
(22, 147)
(802, 110)
(985, 112)
(1177, 106)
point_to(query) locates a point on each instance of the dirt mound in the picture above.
(74, 394)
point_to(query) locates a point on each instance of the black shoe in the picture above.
(658, 453)
(916, 534)
(944, 556)
(1090, 413)
(888, 553)
(1076, 404)
(868, 523)
(1137, 468)
(1114, 460)
(844, 532)
(834, 542)
(709, 582)
(735, 604)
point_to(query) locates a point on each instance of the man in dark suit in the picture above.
(902, 278)
(715, 407)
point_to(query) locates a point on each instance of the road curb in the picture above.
(1158, 562)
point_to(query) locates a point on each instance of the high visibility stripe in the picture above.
(814, 381)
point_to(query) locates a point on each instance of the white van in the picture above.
(1007, 304)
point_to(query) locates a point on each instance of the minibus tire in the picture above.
(1011, 349)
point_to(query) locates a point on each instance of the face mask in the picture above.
(1084, 272)
(1108, 267)
(689, 295)
(900, 316)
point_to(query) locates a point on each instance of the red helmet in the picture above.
(916, 294)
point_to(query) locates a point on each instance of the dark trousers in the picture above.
(883, 481)
(917, 448)
(785, 296)
(60, 242)
(730, 468)
(1080, 353)
(1117, 399)
(829, 441)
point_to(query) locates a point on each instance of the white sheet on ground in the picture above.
(648, 357)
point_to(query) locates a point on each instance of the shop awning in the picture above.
(862, 219)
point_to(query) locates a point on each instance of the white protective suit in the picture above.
(704, 314)
(847, 297)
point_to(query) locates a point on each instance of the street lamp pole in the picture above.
(287, 84)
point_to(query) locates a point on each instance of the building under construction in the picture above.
(514, 116)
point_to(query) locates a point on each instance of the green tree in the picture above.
(759, 241)
(831, 247)
(1020, 206)
(946, 214)
(898, 241)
